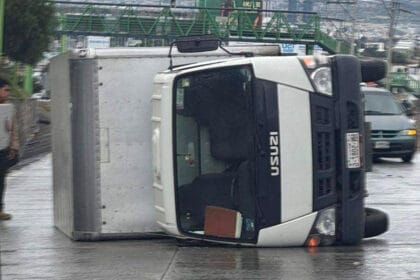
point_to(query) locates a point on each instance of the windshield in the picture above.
(380, 103)
(214, 128)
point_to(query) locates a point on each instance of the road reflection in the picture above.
(271, 263)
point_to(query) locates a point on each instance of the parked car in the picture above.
(393, 133)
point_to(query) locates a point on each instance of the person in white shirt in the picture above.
(8, 156)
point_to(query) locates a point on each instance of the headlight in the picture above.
(408, 132)
(322, 80)
(323, 230)
(319, 72)
(325, 223)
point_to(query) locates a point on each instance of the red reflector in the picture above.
(313, 241)
(309, 62)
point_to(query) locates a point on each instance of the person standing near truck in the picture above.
(9, 154)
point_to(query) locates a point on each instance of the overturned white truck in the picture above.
(263, 151)
(258, 151)
(102, 138)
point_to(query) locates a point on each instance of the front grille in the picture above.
(324, 150)
(322, 115)
(384, 133)
(324, 187)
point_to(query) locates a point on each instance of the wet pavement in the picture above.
(31, 248)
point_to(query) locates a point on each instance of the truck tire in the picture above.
(372, 70)
(376, 222)
(375, 159)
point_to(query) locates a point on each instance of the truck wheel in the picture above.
(376, 222)
(407, 158)
(372, 70)
(375, 159)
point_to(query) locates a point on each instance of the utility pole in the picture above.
(353, 28)
(393, 14)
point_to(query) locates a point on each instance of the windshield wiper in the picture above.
(391, 114)
(370, 112)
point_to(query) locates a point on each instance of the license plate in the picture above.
(353, 150)
(381, 145)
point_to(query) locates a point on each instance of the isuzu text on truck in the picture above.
(262, 151)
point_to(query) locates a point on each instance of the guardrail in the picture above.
(405, 80)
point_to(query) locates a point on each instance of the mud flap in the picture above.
(346, 74)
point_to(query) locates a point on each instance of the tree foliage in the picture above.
(8, 73)
(28, 29)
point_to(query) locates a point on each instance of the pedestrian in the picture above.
(9, 150)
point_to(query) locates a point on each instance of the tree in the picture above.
(28, 29)
(8, 73)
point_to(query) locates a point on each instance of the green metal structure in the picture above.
(165, 22)
(406, 81)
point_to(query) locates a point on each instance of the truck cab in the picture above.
(260, 151)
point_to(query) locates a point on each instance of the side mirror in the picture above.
(406, 104)
(408, 108)
(205, 43)
(194, 44)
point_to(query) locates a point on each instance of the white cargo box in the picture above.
(101, 139)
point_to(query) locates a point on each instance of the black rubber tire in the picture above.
(373, 70)
(407, 158)
(376, 222)
(376, 159)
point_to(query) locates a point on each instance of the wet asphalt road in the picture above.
(31, 248)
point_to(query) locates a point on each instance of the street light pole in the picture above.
(353, 27)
